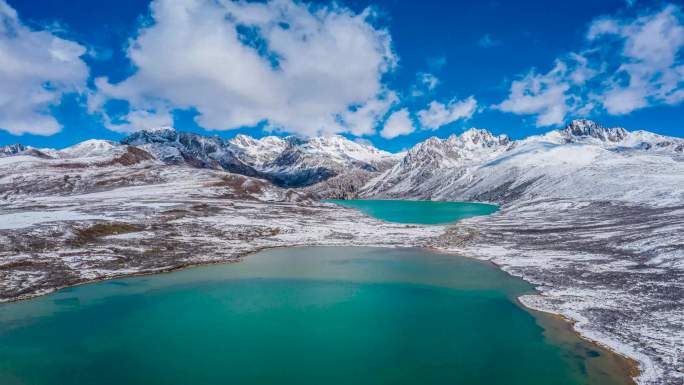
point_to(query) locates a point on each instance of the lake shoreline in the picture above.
(593, 265)
(631, 365)
(497, 281)
(350, 227)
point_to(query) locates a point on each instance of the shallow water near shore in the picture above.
(418, 212)
(332, 315)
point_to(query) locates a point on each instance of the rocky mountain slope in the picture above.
(582, 160)
(102, 209)
(286, 162)
(422, 171)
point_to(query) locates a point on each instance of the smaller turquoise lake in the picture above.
(418, 212)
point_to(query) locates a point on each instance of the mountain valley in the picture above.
(592, 216)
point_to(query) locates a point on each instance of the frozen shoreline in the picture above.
(597, 272)
(615, 268)
(107, 275)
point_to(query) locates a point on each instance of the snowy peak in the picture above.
(584, 128)
(151, 135)
(614, 139)
(174, 147)
(311, 160)
(473, 144)
(335, 147)
(246, 142)
(20, 149)
(582, 159)
(289, 161)
(12, 149)
(479, 138)
(429, 165)
(342, 149)
(90, 149)
(259, 151)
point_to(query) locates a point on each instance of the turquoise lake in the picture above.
(317, 315)
(418, 212)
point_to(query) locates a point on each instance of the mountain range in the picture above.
(583, 159)
(591, 216)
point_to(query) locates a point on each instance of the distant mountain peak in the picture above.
(12, 149)
(287, 161)
(20, 149)
(148, 135)
(482, 137)
(580, 128)
(91, 148)
(159, 130)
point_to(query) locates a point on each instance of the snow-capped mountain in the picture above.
(590, 215)
(288, 162)
(583, 129)
(93, 151)
(173, 147)
(581, 160)
(92, 148)
(12, 149)
(285, 161)
(20, 149)
(424, 167)
(293, 161)
(259, 152)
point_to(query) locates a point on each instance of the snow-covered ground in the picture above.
(594, 217)
(62, 225)
(615, 268)
(591, 215)
(23, 219)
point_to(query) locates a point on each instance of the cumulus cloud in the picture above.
(650, 48)
(36, 69)
(628, 64)
(399, 123)
(548, 95)
(300, 68)
(439, 114)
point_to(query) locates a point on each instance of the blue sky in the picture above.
(392, 72)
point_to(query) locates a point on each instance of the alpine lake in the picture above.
(309, 315)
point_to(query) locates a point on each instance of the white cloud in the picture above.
(36, 69)
(399, 123)
(364, 119)
(439, 114)
(135, 119)
(602, 26)
(547, 95)
(428, 80)
(303, 69)
(425, 82)
(629, 64)
(649, 60)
